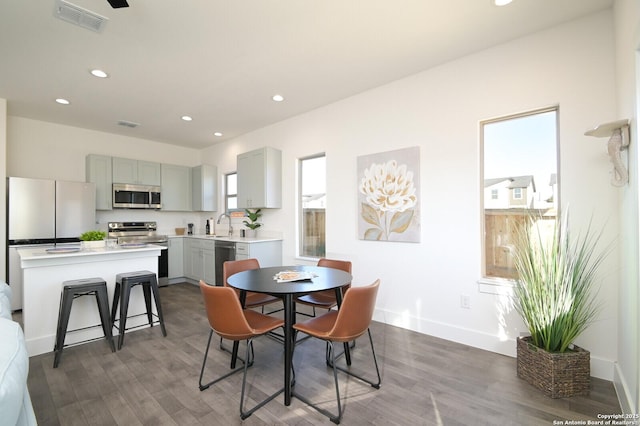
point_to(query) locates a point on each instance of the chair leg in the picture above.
(146, 291)
(61, 330)
(375, 361)
(116, 300)
(245, 414)
(204, 362)
(156, 299)
(125, 292)
(223, 349)
(103, 309)
(330, 354)
(334, 418)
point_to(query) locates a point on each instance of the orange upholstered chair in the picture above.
(228, 320)
(325, 299)
(341, 326)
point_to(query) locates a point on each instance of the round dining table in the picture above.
(264, 280)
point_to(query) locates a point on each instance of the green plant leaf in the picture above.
(93, 235)
(555, 294)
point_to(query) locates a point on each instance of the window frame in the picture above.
(300, 209)
(517, 193)
(227, 195)
(495, 284)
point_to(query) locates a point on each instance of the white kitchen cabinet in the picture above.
(187, 267)
(98, 170)
(199, 259)
(176, 258)
(268, 253)
(149, 173)
(204, 185)
(126, 170)
(176, 187)
(209, 263)
(260, 178)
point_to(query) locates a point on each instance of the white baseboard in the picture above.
(624, 394)
(600, 368)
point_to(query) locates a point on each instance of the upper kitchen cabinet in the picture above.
(176, 187)
(204, 186)
(126, 170)
(260, 178)
(98, 170)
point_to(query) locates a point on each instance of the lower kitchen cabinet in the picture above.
(194, 258)
(176, 258)
(199, 260)
(268, 253)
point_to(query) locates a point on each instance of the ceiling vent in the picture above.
(130, 124)
(79, 16)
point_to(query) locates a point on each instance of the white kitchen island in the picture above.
(43, 274)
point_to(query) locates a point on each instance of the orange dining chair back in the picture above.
(326, 299)
(252, 300)
(348, 323)
(227, 319)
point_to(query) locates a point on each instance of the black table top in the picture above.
(262, 281)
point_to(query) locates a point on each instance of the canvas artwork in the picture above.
(388, 196)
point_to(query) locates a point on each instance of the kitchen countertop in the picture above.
(39, 253)
(234, 238)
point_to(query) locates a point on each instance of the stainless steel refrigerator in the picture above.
(44, 213)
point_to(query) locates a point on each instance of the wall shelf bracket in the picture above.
(618, 134)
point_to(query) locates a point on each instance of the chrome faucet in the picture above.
(228, 217)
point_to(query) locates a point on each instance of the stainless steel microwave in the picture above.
(129, 196)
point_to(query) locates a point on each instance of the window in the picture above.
(519, 172)
(312, 203)
(517, 193)
(231, 191)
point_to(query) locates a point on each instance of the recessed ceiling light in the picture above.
(186, 118)
(501, 2)
(218, 134)
(62, 101)
(278, 98)
(99, 73)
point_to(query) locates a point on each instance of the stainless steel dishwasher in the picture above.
(224, 250)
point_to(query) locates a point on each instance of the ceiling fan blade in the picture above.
(118, 3)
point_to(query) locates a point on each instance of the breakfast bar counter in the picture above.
(43, 273)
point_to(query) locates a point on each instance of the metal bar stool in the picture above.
(77, 288)
(124, 283)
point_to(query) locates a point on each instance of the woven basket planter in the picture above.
(557, 375)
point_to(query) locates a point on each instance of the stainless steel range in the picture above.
(143, 232)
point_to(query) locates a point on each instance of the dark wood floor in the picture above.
(425, 381)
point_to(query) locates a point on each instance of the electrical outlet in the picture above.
(465, 301)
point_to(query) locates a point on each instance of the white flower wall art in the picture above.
(388, 196)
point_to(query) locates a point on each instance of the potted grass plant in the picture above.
(252, 221)
(556, 297)
(93, 239)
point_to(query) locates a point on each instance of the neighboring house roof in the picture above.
(514, 181)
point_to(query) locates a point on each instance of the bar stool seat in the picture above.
(124, 283)
(72, 290)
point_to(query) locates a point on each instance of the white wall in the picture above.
(39, 149)
(627, 373)
(439, 110)
(45, 150)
